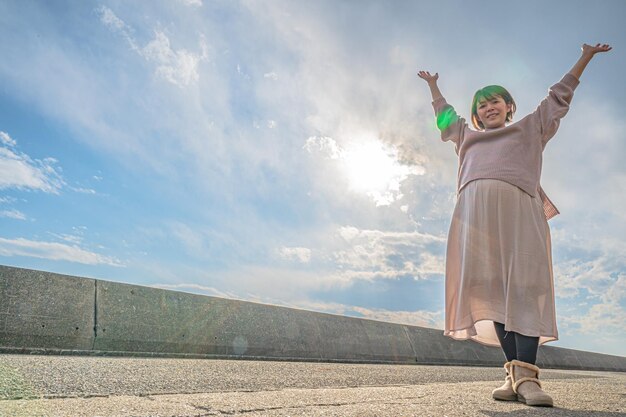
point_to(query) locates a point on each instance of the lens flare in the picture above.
(446, 118)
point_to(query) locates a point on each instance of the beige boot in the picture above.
(527, 386)
(505, 392)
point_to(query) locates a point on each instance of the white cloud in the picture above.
(299, 254)
(110, 19)
(6, 139)
(54, 251)
(7, 200)
(592, 266)
(84, 190)
(589, 262)
(179, 67)
(603, 320)
(593, 275)
(13, 214)
(18, 170)
(350, 233)
(195, 3)
(377, 254)
(326, 145)
(75, 239)
(349, 256)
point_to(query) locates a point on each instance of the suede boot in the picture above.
(526, 384)
(505, 392)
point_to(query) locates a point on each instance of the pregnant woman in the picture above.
(499, 283)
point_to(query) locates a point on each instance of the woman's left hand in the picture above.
(592, 50)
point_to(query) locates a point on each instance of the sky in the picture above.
(285, 152)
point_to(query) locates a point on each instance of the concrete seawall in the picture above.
(43, 312)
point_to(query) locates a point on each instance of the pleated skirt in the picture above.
(499, 265)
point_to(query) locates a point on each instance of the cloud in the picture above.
(590, 285)
(325, 145)
(603, 320)
(75, 238)
(54, 251)
(351, 233)
(302, 255)
(593, 275)
(195, 3)
(351, 255)
(588, 262)
(13, 214)
(391, 254)
(7, 140)
(7, 200)
(18, 170)
(110, 19)
(84, 190)
(179, 67)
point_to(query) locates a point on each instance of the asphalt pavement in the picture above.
(113, 386)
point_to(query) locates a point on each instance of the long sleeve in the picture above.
(555, 106)
(451, 125)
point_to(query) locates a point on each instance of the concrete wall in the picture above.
(42, 312)
(42, 309)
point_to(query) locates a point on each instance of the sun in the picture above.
(372, 168)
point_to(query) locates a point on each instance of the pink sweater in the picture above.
(512, 153)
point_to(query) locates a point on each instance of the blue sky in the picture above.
(285, 152)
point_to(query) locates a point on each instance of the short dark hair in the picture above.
(488, 93)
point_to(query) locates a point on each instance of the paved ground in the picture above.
(97, 386)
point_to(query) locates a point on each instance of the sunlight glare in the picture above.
(373, 168)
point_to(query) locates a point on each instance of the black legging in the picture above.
(517, 346)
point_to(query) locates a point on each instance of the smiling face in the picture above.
(492, 108)
(492, 112)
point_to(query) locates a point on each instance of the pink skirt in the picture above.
(499, 265)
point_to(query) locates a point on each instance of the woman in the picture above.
(499, 283)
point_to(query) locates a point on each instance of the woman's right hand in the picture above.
(425, 75)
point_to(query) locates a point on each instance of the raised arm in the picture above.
(451, 125)
(432, 83)
(556, 105)
(588, 52)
